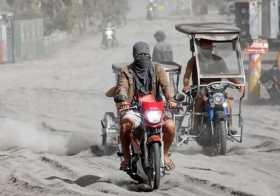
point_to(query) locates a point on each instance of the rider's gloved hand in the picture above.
(172, 104)
(242, 90)
(123, 105)
(186, 88)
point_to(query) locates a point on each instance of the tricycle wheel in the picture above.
(221, 137)
(106, 123)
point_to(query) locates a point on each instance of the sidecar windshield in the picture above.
(218, 59)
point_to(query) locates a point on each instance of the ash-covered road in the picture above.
(52, 107)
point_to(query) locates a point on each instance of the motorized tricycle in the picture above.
(211, 108)
(151, 10)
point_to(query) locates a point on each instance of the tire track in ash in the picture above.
(213, 187)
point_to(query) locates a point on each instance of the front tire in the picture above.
(221, 137)
(154, 160)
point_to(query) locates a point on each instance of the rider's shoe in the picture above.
(169, 165)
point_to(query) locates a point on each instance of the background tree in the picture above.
(70, 15)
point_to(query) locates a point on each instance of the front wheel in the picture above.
(154, 161)
(221, 137)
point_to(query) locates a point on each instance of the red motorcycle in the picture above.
(147, 163)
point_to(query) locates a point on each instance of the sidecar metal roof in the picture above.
(207, 28)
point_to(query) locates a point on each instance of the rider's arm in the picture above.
(122, 89)
(122, 85)
(237, 81)
(188, 73)
(165, 86)
(164, 83)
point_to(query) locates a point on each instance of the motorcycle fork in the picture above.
(211, 114)
(226, 119)
(212, 127)
(146, 161)
(211, 111)
(162, 154)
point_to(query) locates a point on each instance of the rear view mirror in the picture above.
(179, 97)
(119, 98)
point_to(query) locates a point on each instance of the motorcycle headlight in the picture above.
(153, 116)
(218, 98)
(217, 86)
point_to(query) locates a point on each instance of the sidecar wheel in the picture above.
(106, 123)
(154, 160)
(221, 136)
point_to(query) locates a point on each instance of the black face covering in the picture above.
(144, 72)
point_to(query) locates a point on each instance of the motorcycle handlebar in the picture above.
(129, 108)
(135, 107)
(231, 84)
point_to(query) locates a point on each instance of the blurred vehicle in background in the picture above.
(151, 10)
(270, 79)
(109, 36)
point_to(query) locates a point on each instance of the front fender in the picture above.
(153, 139)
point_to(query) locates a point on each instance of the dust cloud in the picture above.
(37, 138)
(17, 134)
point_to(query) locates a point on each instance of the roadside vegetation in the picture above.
(69, 15)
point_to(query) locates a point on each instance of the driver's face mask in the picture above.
(206, 52)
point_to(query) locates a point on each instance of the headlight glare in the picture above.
(153, 116)
(219, 98)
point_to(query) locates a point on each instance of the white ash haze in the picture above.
(63, 95)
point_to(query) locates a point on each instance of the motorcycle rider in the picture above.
(106, 29)
(152, 3)
(151, 9)
(137, 79)
(271, 80)
(162, 52)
